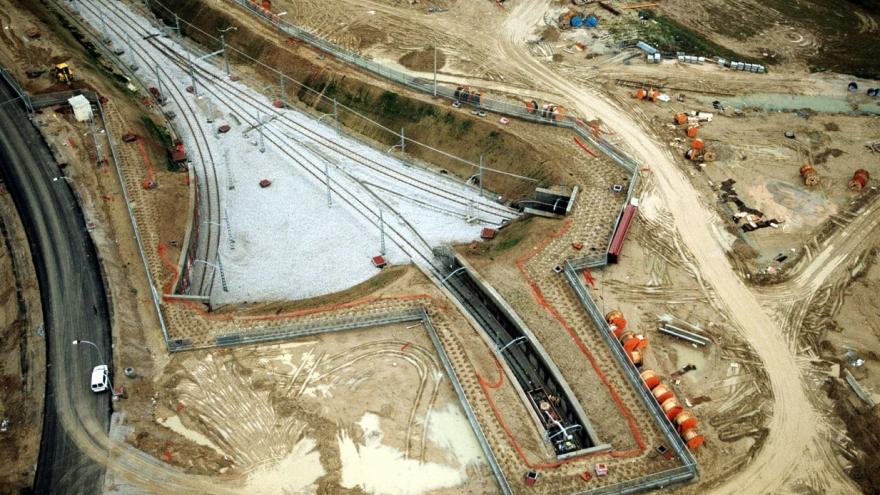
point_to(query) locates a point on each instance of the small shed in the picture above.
(82, 109)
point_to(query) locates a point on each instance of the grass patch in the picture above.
(511, 236)
(508, 243)
(160, 133)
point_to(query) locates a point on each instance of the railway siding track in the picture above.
(248, 115)
(208, 190)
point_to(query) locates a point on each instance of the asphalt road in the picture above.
(74, 307)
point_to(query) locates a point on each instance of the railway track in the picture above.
(448, 191)
(207, 249)
(122, 21)
(245, 106)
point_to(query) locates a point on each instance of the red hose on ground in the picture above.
(585, 147)
(151, 174)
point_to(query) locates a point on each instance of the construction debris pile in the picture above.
(754, 219)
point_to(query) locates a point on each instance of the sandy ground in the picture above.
(769, 328)
(368, 409)
(22, 354)
(656, 282)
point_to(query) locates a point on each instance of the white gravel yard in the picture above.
(287, 243)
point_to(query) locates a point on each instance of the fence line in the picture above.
(134, 225)
(417, 83)
(630, 371)
(465, 404)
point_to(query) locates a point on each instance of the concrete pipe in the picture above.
(671, 408)
(662, 393)
(692, 438)
(686, 420)
(651, 379)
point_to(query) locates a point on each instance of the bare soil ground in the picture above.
(136, 337)
(22, 354)
(734, 415)
(655, 282)
(320, 411)
(753, 151)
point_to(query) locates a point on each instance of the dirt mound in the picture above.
(423, 61)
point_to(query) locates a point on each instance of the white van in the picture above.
(100, 379)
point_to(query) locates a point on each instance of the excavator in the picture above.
(63, 73)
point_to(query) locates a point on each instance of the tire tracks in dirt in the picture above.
(796, 426)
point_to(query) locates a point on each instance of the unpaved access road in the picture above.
(797, 450)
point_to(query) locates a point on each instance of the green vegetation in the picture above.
(159, 133)
(509, 237)
(392, 106)
(508, 243)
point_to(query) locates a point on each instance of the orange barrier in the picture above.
(651, 378)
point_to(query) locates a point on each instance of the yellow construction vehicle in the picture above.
(63, 73)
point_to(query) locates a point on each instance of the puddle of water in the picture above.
(380, 469)
(450, 430)
(796, 206)
(296, 473)
(173, 423)
(825, 104)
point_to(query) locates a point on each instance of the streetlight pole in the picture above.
(100, 360)
(192, 74)
(481, 176)
(260, 130)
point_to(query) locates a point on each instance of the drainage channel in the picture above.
(540, 384)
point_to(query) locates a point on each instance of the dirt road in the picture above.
(816, 267)
(796, 426)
